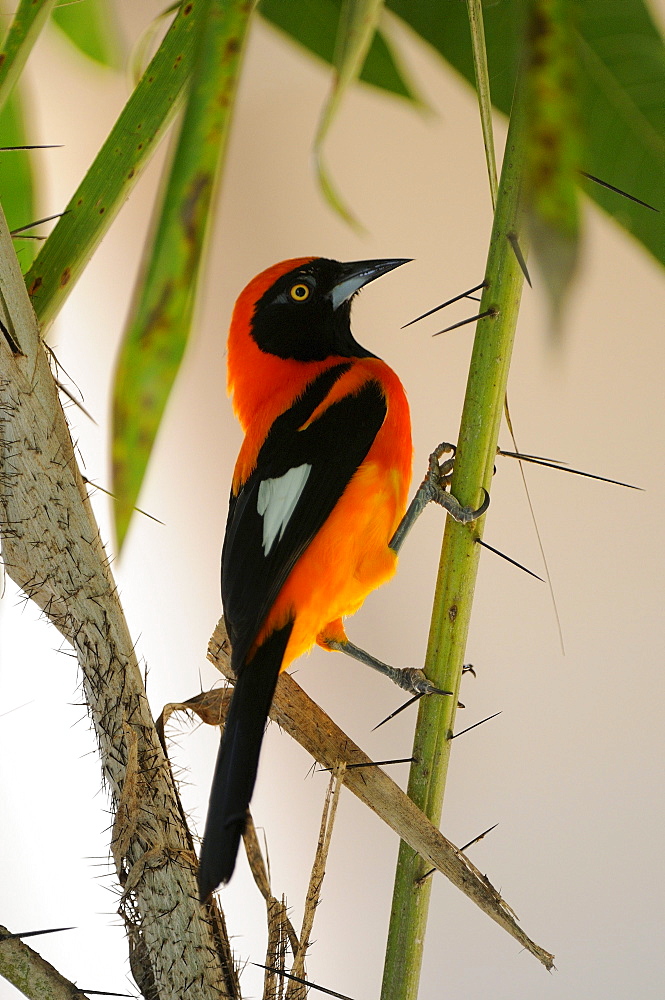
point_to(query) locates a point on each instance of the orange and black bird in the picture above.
(317, 506)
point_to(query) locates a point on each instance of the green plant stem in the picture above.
(29, 19)
(483, 90)
(474, 463)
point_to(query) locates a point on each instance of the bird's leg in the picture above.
(433, 487)
(409, 678)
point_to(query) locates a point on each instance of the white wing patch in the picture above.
(277, 500)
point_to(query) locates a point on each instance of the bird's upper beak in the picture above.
(358, 273)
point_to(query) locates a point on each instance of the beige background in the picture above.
(572, 769)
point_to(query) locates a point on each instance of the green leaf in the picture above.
(621, 64)
(553, 147)
(622, 59)
(16, 177)
(313, 24)
(159, 327)
(28, 21)
(115, 170)
(356, 29)
(91, 28)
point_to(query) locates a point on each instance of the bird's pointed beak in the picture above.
(358, 273)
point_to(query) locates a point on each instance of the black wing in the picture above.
(333, 446)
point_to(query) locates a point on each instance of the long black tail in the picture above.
(238, 761)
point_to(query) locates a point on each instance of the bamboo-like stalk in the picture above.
(479, 430)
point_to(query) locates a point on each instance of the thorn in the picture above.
(468, 668)
(485, 545)
(488, 312)
(476, 839)
(17, 707)
(469, 728)
(548, 575)
(38, 222)
(63, 388)
(526, 457)
(305, 982)
(517, 250)
(13, 346)
(462, 295)
(374, 763)
(101, 489)
(25, 934)
(423, 878)
(8, 149)
(624, 194)
(553, 463)
(398, 710)
(104, 993)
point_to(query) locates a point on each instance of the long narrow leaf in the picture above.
(357, 26)
(313, 24)
(553, 146)
(29, 19)
(621, 63)
(90, 26)
(115, 169)
(622, 59)
(158, 330)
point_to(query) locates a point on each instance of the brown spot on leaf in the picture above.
(187, 9)
(197, 195)
(452, 612)
(65, 277)
(232, 48)
(35, 286)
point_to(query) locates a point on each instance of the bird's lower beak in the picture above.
(358, 273)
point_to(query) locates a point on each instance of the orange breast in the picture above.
(350, 557)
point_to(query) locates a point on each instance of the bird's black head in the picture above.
(305, 313)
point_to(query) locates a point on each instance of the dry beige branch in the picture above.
(296, 990)
(302, 718)
(53, 552)
(36, 978)
(280, 929)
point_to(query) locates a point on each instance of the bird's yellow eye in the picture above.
(300, 292)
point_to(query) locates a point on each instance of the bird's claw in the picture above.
(440, 474)
(438, 479)
(413, 679)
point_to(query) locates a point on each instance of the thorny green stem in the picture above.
(474, 463)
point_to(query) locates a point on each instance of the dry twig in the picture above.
(302, 718)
